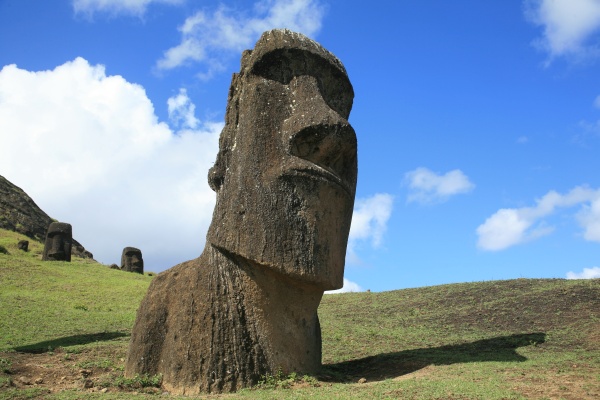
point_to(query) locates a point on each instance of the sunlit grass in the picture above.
(519, 339)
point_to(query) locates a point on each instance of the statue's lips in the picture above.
(320, 173)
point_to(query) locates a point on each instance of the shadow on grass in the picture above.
(392, 365)
(67, 341)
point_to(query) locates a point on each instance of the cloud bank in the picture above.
(512, 226)
(89, 149)
(426, 186)
(570, 27)
(117, 7)
(587, 273)
(208, 37)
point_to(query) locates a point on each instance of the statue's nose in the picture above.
(318, 134)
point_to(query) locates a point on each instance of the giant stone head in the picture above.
(285, 175)
(131, 260)
(59, 239)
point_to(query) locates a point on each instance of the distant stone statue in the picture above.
(131, 260)
(23, 245)
(59, 239)
(285, 178)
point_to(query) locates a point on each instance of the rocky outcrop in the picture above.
(19, 213)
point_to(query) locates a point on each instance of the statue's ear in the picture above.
(216, 175)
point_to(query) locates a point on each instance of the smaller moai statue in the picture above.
(131, 260)
(23, 245)
(59, 239)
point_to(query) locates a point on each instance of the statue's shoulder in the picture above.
(190, 272)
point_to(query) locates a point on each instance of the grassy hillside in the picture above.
(52, 304)
(64, 330)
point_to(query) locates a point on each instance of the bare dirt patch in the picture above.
(96, 369)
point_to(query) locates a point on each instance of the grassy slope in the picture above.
(489, 340)
(52, 304)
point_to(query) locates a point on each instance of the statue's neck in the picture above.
(283, 312)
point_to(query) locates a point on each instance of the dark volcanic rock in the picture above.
(23, 245)
(285, 178)
(19, 213)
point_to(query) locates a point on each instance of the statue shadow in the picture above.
(67, 341)
(393, 365)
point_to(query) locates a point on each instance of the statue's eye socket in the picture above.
(282, 65)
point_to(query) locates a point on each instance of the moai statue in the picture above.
(23, 245)
(285, 179)
(59, 239)
(131, 260)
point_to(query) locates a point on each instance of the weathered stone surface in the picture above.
(19, 213)
(23, 245)
(59, 240)
(131, 260)
(285, 179)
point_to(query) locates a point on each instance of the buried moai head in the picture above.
(285, 175)
(23, 245)
(59, 239)
(131, 260)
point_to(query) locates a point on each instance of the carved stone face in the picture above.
(59, 239)
(131, 260)
(285, 175)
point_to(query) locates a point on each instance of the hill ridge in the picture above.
(19, 213)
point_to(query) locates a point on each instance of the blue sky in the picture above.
(478, 126)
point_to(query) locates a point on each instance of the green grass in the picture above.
(518, 339)
(50, 304)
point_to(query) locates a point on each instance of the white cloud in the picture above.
(589, 219)
(426, 186)
(182, 110)
(511, 226)
(597, 102)
(89, 149)
(588, 273)
(205, 37)
(347, 288)
(370, 218)
(508, 227)
(369, 223)
(569, 26)
(117, 7)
